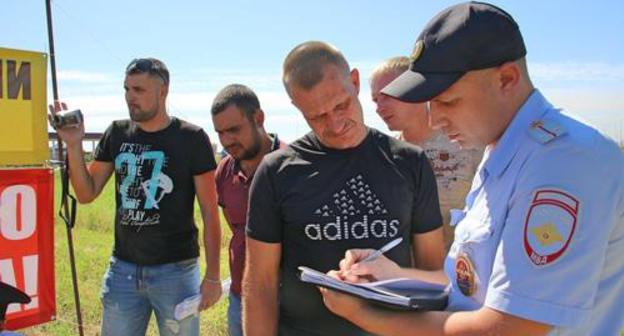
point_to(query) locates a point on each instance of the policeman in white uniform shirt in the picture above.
(539, 247)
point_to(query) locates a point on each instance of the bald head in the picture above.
(303, 67)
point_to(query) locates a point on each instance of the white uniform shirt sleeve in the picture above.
(556, 289)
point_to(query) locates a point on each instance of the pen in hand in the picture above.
(383, 250)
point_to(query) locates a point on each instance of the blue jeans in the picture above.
(131, 292)
(234, 315)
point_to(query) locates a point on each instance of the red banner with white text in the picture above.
(27, 243)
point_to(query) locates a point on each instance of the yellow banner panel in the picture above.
(23, 120)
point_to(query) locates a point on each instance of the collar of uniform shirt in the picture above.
(533, 109)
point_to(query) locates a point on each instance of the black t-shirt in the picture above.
(154, 187)
(318, 202)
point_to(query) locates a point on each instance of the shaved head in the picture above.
(303, 67)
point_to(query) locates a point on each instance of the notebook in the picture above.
(400, 293)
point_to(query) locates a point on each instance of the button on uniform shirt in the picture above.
(542, 234)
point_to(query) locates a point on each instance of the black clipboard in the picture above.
(395, 294)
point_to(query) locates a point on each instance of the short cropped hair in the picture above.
(303, 67)
(152, 66)
(239, 95)
(395, 65)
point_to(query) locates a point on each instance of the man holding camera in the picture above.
(160, 163)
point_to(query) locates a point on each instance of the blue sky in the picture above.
(575, 50)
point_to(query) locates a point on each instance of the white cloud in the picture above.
(86, 77)
(271, 101)
(600, 108)
(585, 100)
(215, 79)
(101, 105)
(591, 91)
(577, 72)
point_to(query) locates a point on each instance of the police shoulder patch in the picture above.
(549, 225)
(545, 130)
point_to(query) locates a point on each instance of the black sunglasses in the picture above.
(142, 65)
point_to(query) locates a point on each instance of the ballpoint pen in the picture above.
(383, 250)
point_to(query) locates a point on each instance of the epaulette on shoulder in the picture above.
(546, 130)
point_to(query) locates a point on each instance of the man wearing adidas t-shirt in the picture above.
(341, 186)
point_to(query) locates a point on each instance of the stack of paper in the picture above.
(400, 293)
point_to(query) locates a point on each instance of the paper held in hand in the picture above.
(400, 293)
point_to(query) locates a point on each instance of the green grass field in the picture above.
(93, 241)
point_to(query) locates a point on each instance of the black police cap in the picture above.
(464, 37)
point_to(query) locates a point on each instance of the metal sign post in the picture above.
(64, 212)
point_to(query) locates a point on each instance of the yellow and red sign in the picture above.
(27, 243)
(23, 122)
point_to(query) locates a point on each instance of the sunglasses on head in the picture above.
(142, 65)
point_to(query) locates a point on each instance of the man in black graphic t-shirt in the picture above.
(160, 164)
(343, 185)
